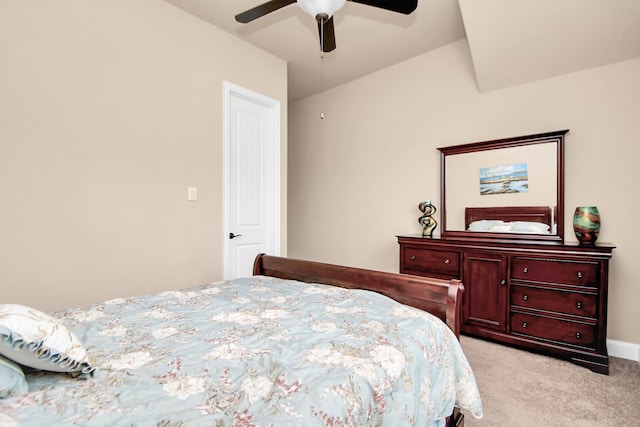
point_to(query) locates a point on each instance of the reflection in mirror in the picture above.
(509, 188)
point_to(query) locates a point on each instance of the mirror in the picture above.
(504, 189)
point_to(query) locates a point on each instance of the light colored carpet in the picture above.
(522, 389)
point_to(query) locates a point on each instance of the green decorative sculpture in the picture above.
(428, 224)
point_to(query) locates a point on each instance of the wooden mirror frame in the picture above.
(549, 137)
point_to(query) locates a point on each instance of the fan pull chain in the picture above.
(322, 86)
(321, 69)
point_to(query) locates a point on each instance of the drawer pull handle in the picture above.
(446, 261)
(524, 325)
(579, 275)
(503, 282)
(579, 305)
(525, 297)
(525, 270)
(578, 335)
(413, 257)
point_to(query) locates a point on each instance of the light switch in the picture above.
(192, 193)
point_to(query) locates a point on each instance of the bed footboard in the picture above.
(440, 297)
(456, 419)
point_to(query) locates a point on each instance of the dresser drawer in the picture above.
(561, 331)
(573, 303)
(555, 271)
(444, 264)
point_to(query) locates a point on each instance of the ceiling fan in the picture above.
(323, 11)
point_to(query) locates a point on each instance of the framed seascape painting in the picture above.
(513, 178)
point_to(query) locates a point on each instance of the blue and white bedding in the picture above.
(256, 351)
(499, 226)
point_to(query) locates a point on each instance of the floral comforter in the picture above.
(256, 351)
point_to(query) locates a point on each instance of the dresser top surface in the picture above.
(599, 248)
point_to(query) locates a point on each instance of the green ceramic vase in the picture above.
(586, 224)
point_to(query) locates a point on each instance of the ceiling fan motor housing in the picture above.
(321, 7)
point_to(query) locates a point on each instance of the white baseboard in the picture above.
(624, 350)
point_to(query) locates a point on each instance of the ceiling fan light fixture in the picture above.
(321, 7)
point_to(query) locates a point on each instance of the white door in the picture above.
(252, 179)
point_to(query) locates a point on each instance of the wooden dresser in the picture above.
(546, 297)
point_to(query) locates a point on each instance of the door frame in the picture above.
(272, 165)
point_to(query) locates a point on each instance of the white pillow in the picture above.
(530, 227)
(501, 228)
(485, 224)
(37, 340)
(12, 380)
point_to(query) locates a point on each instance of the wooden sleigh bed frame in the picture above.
(541, 214)
(442, 298)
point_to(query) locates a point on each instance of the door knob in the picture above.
(232, 236)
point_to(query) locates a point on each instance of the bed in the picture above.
(510, 219)
(299, 343)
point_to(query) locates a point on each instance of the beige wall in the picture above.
(109, 110)
(356, 178)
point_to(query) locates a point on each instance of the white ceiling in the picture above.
(511, 41)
